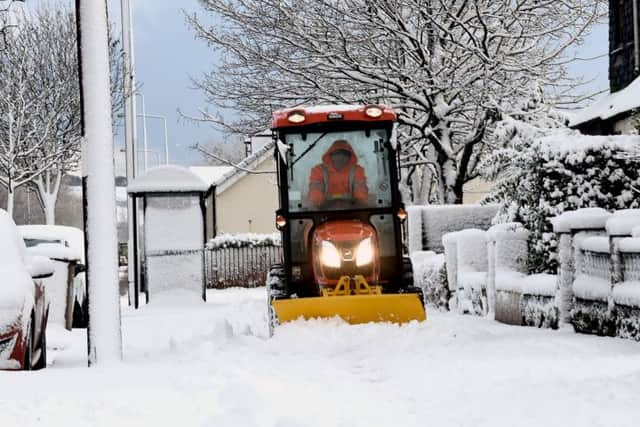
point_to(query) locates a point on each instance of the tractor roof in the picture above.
(330, 113)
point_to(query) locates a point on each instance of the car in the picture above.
(41, 236)
(24, 307)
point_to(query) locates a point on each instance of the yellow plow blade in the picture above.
(396, 308)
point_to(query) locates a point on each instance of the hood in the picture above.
(338, 145)
(344, 231)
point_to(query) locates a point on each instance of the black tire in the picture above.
(407, 273)
(42, 345)
(276, 289)
(42, 362)
(81, 313)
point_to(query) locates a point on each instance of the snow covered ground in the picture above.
(195, 364)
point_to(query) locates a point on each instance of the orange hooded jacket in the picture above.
(328, 183)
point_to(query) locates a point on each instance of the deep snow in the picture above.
(189, 363)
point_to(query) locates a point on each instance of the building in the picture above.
(246, 195)
(617, 113)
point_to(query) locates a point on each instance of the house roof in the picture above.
(211, 174)
(168, 179)
(611, 105)
(250, 163)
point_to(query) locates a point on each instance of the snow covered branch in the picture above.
(451, 68)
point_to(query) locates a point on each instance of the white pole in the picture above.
(131, 153)
(166, 137)
(166, 142)
(104, 335)
(144, 132)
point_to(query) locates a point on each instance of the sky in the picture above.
(167, 57)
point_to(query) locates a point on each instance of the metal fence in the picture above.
(242, 267)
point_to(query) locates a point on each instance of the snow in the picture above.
(627, 293)
(622, 222)
(55, 251)
(566, 143)
(174, 240)
(635, 231)
(472, 250)
(507, 231)
(168, 178)
(72, 236)
(598, 244)
(629, 245)
(591, 287)
(438, 220)
(540, 284)
(98, 170)
(511, 281)
(580, 219)
(414, 226)
(197, 364)
(611, 105)
(211, 174)
(244, 240)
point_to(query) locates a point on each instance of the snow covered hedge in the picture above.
(244, 240)
(543, 178)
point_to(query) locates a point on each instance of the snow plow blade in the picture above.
(354, 309)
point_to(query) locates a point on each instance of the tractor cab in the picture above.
(340, 216)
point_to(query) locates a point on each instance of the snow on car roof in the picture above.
(168, 178)
(72, 235)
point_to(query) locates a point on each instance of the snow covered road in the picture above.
(189, 364)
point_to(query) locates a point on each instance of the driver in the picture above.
(338, 177)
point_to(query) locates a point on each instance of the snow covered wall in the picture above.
(428, 224)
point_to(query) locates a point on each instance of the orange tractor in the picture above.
(341, 218)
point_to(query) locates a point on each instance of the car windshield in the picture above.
(338, 170)
(31, 242)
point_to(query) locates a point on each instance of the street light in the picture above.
(166, 139)
(144, 129)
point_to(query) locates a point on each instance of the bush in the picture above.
(558, 173)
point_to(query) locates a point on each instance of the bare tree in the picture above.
(452, 68)
(6, 21)
(40, 107)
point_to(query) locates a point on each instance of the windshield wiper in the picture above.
(313, 144)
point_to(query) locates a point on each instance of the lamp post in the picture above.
(144, 129)
(166, 139)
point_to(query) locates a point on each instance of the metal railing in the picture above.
(245, 267)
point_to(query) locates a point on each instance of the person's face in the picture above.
(340, 159)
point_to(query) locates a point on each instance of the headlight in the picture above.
(296, 117)
(364, 253)
(373, 111)
(329, 255)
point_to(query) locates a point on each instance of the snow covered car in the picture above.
(23, 302)
(46, 236)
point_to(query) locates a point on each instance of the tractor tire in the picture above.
(276, 289)
(407, 273)
(407, 285)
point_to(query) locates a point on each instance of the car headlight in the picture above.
(329, 255)
(364, 253)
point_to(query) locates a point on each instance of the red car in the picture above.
(23, 303)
